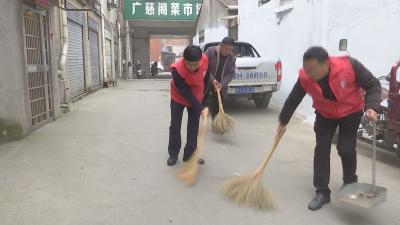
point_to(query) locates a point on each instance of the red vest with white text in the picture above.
(342, 80)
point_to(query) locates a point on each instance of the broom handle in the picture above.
(221, 107)
(202, 130)
(374, 158)
(268, 157)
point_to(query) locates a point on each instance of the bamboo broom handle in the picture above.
(202, 131)
(268, 157)
(221, 107)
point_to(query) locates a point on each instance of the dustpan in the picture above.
(362, 194)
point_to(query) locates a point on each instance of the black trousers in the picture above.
(175, 141)
(213, 102)
(324, 130)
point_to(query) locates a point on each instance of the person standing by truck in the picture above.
(222, 65)
(337, 86)
(154, 69)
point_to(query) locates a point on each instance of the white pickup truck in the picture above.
(256, 78)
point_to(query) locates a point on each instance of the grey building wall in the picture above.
(141, 49)
(58, 90)
(13, 105)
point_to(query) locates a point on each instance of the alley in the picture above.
(105, 163)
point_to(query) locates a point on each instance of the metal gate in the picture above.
(94, 53)
(38, 77)
(116, 53)
(108, 53)
(75, 57)
(116, 62)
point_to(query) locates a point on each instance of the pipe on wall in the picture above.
(63, 56)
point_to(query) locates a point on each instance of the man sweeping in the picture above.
(336, 86)
(222, 70)
(187, 91)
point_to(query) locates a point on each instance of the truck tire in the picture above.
(262, 101)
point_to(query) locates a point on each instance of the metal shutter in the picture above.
(75, 57)
(116, 60)
(108, 53)
(94, 53)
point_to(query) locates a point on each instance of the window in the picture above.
(201, 36)
(243, 51)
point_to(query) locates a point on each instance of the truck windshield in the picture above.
(240, 50)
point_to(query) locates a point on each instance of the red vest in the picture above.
(349, 96)
(195, 80)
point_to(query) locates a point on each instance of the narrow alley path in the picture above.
(104, 163)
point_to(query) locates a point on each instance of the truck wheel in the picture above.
(262, 101)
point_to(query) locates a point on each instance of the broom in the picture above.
(248, 190)
(222, 122)
(188, 173)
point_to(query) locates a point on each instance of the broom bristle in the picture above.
(188, 173)
(249, 191)
(222, 123)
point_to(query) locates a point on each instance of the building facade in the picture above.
(53, 53)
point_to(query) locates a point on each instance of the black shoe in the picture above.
(319, 201)
(172, 160)
(199, 161)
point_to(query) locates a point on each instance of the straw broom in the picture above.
(248, 190)
(222, 122)
(188, 173)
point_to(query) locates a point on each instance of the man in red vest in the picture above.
(336, 86)
(187, 91)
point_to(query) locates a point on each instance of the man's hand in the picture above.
(217, 85)
(371, 115)
(198, 107)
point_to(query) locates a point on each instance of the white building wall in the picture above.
(211, 35)
(215, 34)
(372, 30)
(209, 20)
(369, 27)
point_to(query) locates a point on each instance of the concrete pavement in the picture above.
(105, 163)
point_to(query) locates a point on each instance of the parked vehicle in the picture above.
(256, 78)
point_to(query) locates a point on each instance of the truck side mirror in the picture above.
(343, 45)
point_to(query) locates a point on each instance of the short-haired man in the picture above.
(222, 65)
(187, 91)
(337, 86)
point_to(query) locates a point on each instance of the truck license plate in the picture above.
(244, 90)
